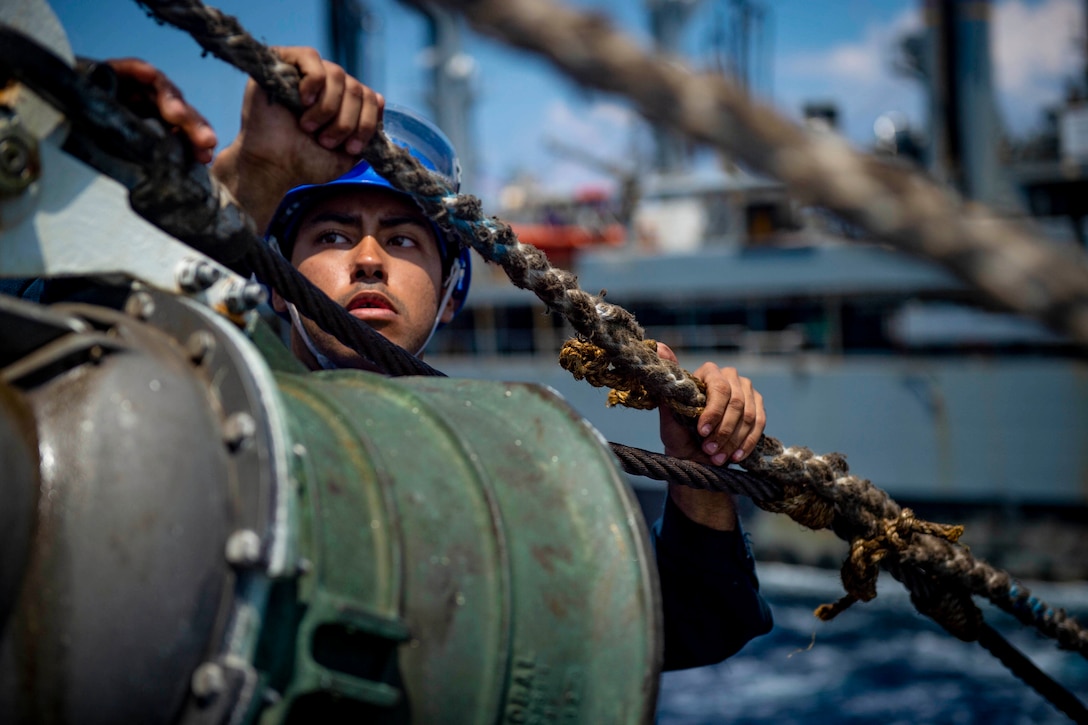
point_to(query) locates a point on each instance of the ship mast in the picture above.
(964, 127)
(451, 96)
(354, 39)
(667, 21)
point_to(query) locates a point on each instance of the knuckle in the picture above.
(736, 404)
(706, 368)
(335, 72)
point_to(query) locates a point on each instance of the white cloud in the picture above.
(1035, 49)
(859, 61)
(1033, 46)
(599, 130)
(597, 127)
(856, 75)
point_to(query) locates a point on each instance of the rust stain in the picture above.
(547, 554)
(556, 608)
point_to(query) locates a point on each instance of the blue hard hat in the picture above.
(430, 147)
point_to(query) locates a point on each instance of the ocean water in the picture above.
(878, 662)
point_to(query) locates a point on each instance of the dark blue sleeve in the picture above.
(709, 591)
(28, 289)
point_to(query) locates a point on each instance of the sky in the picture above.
(831, 50)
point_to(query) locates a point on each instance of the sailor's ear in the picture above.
(278, 303)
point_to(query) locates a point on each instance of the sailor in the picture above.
(371, 249)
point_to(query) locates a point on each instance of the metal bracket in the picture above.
(76, 222)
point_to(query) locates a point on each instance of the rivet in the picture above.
(199, 345)
(140, 305)
(208, 681)
(238, 430)
(243, 548)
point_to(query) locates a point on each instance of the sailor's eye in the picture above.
(332, 237)
(400, 240)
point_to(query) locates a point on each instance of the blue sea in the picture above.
(878, 662)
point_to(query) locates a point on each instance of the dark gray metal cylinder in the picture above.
(18, 493)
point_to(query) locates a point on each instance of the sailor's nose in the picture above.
(369, 261)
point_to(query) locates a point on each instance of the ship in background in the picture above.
(960, 411)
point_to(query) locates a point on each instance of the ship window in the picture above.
(863, 328)
(514, 330)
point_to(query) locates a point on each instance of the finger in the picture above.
(138, 70)
(750, 442)
(311, 69)
(176, 112)
(726, 389)
(746, 424)
(373, 106)
(715, 416)
(327, 106)
(345, 124)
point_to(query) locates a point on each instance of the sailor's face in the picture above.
(373, 252)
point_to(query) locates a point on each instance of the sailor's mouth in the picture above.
(370, 306)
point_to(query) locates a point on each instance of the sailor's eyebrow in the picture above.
(398, 220)
(336, 217)
(354, 220)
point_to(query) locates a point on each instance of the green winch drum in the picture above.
(210, 534)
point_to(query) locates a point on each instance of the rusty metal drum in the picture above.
(206, 533)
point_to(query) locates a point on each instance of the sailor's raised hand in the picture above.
(275, 151)
(341, 113)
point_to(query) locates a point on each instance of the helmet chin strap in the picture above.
(457, 271)
(296, 322)
(454, 278)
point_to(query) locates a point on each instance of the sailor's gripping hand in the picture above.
(731, 423)
(729, 428)
(275, 152)
(147, 91)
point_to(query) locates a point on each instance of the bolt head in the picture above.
(238, 430)
(243, 548)
(19, 161)
(245, 297)
(199, 346)
(140, 305)
(197, 275)
(208, 681)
